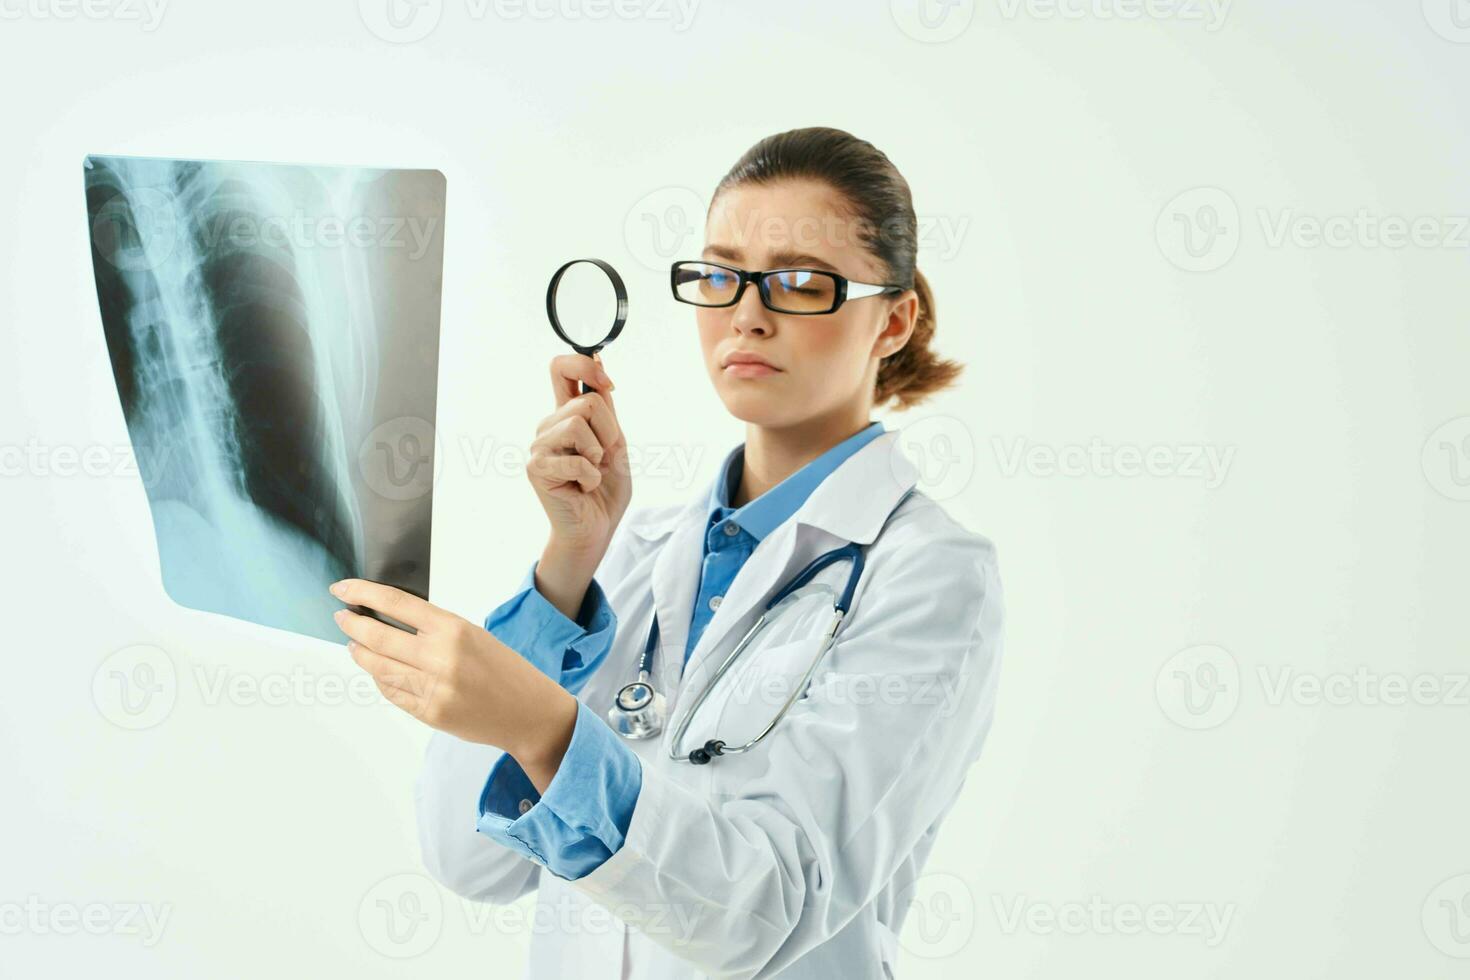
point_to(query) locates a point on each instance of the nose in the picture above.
(751, 315)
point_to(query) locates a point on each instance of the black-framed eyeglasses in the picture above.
(801, 292)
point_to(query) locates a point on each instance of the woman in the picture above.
(670, 856)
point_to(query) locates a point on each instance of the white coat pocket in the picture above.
(753, 691)
(773, 668)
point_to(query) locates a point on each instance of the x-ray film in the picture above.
(274, 336)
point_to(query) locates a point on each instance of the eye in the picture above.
(799, 282)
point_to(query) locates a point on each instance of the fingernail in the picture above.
(338, 588)
(340, 615)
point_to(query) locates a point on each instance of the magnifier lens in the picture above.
(585, 302)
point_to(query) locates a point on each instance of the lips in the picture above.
(747, 359)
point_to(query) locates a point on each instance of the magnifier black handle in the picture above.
(584, 386)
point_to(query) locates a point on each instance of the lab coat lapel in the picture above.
(851, 504)
(757, 578)
(675, 581)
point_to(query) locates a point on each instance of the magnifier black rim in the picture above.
(619, 290)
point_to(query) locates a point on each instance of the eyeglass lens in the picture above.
(787, 291)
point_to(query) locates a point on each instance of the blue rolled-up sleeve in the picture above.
(565, 650)
(584, 815)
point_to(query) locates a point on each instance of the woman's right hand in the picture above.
(579, 461)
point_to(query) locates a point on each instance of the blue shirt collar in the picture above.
(765, 513)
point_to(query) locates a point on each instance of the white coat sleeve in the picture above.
(447, 801)
(856, 775)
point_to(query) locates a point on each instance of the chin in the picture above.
(756, 406)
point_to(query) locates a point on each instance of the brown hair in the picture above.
(879, 199)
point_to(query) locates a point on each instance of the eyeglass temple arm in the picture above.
(857, 290)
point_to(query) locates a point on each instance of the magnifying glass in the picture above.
(587, 305)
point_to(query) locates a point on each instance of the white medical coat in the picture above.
(796, 859)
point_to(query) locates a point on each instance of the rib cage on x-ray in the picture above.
(249, 366)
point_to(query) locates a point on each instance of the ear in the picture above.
(903, 315)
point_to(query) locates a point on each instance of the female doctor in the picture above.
(595, 744)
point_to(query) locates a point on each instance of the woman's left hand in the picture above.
(457, 677)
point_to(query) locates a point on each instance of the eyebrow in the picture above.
(779, 260)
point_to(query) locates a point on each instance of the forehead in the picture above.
(787, 223)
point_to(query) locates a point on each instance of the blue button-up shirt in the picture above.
(733, 532)
(584, 815)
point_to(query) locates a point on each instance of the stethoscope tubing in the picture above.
(852, 551)
(717, 747)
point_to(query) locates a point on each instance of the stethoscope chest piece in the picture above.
(637, 711)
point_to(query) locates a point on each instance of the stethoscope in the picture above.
(639, 711)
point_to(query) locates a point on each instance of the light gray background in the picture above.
(1058, 157)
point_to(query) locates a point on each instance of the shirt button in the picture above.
(715, 600)
(731, 530)
(525, 806)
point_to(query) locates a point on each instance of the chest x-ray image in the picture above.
(273, 331)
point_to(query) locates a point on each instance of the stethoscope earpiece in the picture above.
(708, 751)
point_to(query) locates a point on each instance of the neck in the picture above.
(773, 454)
